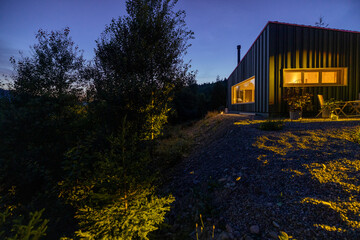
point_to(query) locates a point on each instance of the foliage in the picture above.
(206, 232)
(218, 95)
(194, 101)
(331, 104)
(109, 185)
(91, 160)
(33, 230)
(272, 125)
(126, 218)
(139, 59)
(53, 69)
(284, 236)
(297, 98)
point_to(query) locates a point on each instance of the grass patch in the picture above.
(272, 125)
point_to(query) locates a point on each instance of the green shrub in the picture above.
(272, 125)
(12, 228)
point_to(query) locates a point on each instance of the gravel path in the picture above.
(253, 184)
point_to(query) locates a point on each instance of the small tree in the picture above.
(321, 22)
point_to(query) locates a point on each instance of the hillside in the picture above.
(255, 184)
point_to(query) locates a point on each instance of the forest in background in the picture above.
(78, 139)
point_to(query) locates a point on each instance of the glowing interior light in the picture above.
(329, 77)
(244, 92)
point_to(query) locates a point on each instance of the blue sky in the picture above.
(219, 25)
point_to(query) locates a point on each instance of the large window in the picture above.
(294, 77)
(243, 92)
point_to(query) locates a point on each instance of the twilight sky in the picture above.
(219, 25)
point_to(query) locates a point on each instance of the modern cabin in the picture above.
(319, 60)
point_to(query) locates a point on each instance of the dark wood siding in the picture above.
(282, 46)
(254, 63)
(306, 47)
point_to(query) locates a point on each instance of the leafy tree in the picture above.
(42, 120)
(140, 60)
(54, 66)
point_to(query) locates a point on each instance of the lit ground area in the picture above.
(254, 184)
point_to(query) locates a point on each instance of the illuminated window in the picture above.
(314, 77)
(292, 77)
(311, 77)
(243, 92)
(329, 77)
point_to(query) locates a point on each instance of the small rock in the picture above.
(228, 228)
(273, 235)
(255, 229)
(222, 180)
(275, 224)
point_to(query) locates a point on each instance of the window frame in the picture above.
(233, 96)
(341, 77)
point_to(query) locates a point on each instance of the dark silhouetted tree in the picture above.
(53, 68)
(140, 59)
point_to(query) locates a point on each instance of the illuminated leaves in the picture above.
(125, 218)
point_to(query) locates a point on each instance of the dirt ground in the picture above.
(241, 182)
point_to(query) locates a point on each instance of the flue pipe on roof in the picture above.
(238, 53)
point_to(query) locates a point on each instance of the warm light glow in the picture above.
(244, 92)
(311, 77)
(329, 77)
(292, 77)
(314, 76)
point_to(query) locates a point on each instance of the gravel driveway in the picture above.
(255, 184)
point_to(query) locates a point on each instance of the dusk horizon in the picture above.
(218, 26)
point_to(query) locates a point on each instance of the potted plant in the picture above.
(296, 99)
(329, 109)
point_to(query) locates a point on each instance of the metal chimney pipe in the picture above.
(238, 53)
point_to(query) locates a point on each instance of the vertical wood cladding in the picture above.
(254, 63)
(293, 46)
(282, 46)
